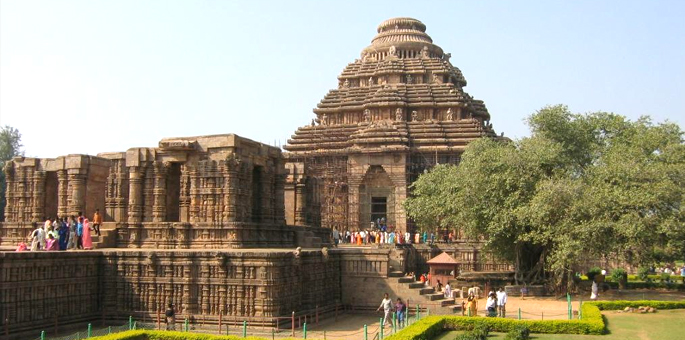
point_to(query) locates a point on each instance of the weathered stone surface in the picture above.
(397, 111)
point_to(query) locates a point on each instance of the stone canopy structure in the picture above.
(398, 110)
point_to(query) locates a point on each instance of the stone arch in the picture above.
(376, 196)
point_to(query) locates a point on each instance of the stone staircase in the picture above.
(108, 238)
(416, 293)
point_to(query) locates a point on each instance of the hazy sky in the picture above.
(96, 76)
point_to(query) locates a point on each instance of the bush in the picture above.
(164, 335)
(481, 330)
(520, 332)
(621, 304)
(594, 271)
(665, 277)
(643, 273)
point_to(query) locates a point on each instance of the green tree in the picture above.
(581, 187)
(10, 146)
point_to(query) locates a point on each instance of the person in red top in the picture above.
(97, 221)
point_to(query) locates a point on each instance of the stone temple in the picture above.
(232, 230)
(398, 110)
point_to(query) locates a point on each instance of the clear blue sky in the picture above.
(97, 76)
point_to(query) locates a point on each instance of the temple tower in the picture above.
(398, 110)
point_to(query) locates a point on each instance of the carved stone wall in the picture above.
(41, 288)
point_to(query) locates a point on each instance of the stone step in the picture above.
(446, 302)
(405, 280)
(396, 274)
(416, 285)
(427, 290)
(435, 296)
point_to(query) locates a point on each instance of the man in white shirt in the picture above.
(501, 302)
(386, 304)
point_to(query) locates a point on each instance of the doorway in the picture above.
(173, 192)
(379, 208)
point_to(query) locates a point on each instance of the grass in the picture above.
(662, 325)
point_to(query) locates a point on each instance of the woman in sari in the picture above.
(51, 243)
(63, 234)
(87, 240)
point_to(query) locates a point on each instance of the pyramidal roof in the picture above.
(443, 258)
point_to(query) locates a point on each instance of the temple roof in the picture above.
(443, 258)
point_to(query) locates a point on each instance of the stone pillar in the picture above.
(77, 181)
(38, 195)
(159, 192)
(184, 199)
(135, 196)
(279, 205)
(267, 194)
(300, 202)
(231, 190)
(62, 193)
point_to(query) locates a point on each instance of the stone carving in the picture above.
(324, 252)
(370, 81)
(447, 56)
(436, 78)
(367, 115)
(346, 83)
(414, 116)
(410, 79)
(181, 145)
(424, 52)
(399, 115)
(392, 51)
(449, 114)
(324, 119)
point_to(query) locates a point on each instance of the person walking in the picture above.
(87, 239)
(37, 238)
(336, 236)
(386, 304)
(501, 302)
(71, 225)
(97, 222)
(170, 315)
(400, 309)
(79, 233)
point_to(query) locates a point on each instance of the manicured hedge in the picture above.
(621, 304)
(164, 335)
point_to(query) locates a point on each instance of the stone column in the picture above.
(77, 180)
(231, 190)
(62, 193)
(135, 196)
(38, 195)
(10, 202)
(267, 194)
(159, 192)
(300, 202)
(279, 205)
(184, 199)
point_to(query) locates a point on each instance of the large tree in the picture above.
(10, 146)
(583, 186)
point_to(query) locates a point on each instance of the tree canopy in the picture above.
(10, 146)
(582, 187)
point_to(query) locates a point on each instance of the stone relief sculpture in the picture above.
(449, 114)
(410, 79)
(392, 52)
(414, 116)
(399, 115)
(367, 115)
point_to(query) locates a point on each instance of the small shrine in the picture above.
(442, 267)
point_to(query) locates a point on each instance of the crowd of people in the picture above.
(380, 235)
(63, 233)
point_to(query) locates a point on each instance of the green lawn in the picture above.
(662, 325)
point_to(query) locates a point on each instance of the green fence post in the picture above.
(418, 312)
(394, 323)
(366, 334)
(580, 310)
(304, 330)
(187, 324)
(109, 330)
(244, 328)
(519, 313)
(42, 335)
(570, 308)
(78, 335)
(135, 325)
(380, 336)
(468, 311)
(130, 322)
(428, 312)
(90, 330)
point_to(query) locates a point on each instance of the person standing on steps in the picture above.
(386, 304)
(97, 222)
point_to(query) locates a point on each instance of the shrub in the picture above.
(520, 332)
(642, 273)
(665, 277)
(481, 330)
(621, 304)
(594, 271)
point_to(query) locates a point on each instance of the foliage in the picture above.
(642, 273)
(520, 332)
(665, 277)
(10, 146)
(621, 304)
(594, 271)
(581, 187)
(168, 335)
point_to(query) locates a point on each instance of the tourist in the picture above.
(73, 239)
(400, 309)
(501, 301)
(595, 291)
(97, 222)
(386, 304)
(37, 238)
(424, 238)
(682, 273)
(170, 318)
(491, 304)
(79, 233)
(46, 226)
(471, 305)
(336, 236)
(63, 234)
(87, 240)
(21, 246)
(438, 287)
(51, 243)
(448, 291)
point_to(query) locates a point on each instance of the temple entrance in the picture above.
(173, 192)
(376, 198)
(379, 208)
(257, 194)
(51, 196)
